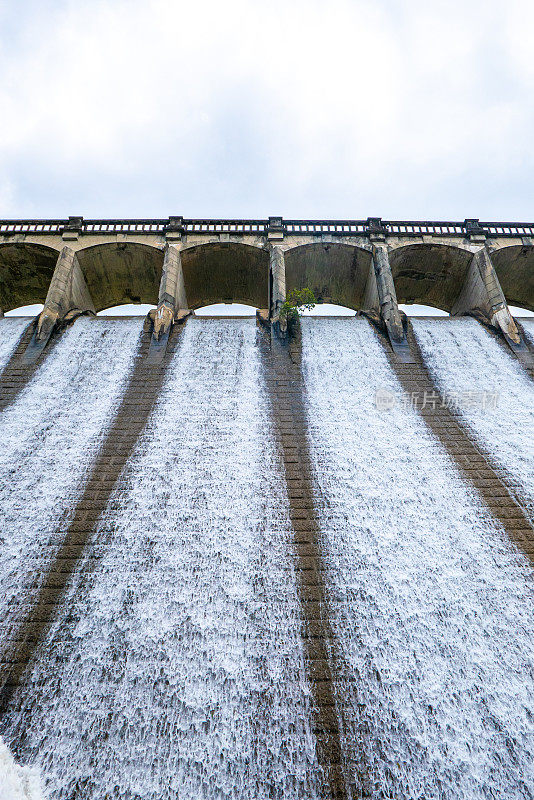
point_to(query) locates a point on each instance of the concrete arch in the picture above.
(429, 274)
(25, 274)
(336, 273)
(514, 266)
(121, 272)
(225, 272)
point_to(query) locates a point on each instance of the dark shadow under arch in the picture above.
(225, 272)
(429, 274)
(336, 273)
(121, 272)
(515, 269)
(25, 274)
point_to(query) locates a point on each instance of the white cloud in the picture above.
(351, 109)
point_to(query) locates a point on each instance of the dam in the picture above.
(249, 559)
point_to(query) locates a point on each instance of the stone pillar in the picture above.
(67, 292)
(482, 294)
(172, 298)
(370, 302)
(387, 296)
(277, 283)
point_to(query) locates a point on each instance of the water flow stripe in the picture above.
(16, 375)
(11, 329)
(475, 465)
(70, 403)
(282, 374)
(433, 604)
(494, 396)
(175, 665)
(50, 436)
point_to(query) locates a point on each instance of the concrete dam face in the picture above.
(246, 559)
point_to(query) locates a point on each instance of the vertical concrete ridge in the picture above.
(283, 377)
(18, 372)
(473, 462)
(528, 365)
(138, 400)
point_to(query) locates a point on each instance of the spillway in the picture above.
(431, 604)
(49, 437)
(175, 666)
(491, 390)
(11, 329)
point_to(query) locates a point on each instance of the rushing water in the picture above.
(11, 329)
(432, 605)
(17, 782)
(176, 667)
(493, 392)
(49, 436)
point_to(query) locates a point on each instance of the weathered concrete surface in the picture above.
(387, 297)
(431, 274)
(121, 272)
(68, 292)
(336, 273)
(514, 266)
(222, 266)
(277, 288)
(226, 272)
(172, 296)
(482, 294)
(25, 274)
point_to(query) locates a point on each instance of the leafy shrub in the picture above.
(297, 300)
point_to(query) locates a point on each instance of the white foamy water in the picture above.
(16, 782)
(11, 329)
(433, 611)
(176, 670)
(49, 436)
(467, 364)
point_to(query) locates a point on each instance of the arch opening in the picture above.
(429, 274)
(121, 273)
(336, 273)
(516, 311)
(31, 310)
(225, 272)
(226, 310)
(514, 266)
(329, 310)
(25, 274)
(127, 310)
(420, 310)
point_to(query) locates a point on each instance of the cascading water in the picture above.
(175, 669)
(16, 782)
(11, 329)
(49, 437)
(492, 391)
(431, 604)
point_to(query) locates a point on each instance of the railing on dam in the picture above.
(263, 226)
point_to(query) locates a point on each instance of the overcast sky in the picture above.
(395, 108)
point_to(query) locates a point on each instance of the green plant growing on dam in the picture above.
(296, 301)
